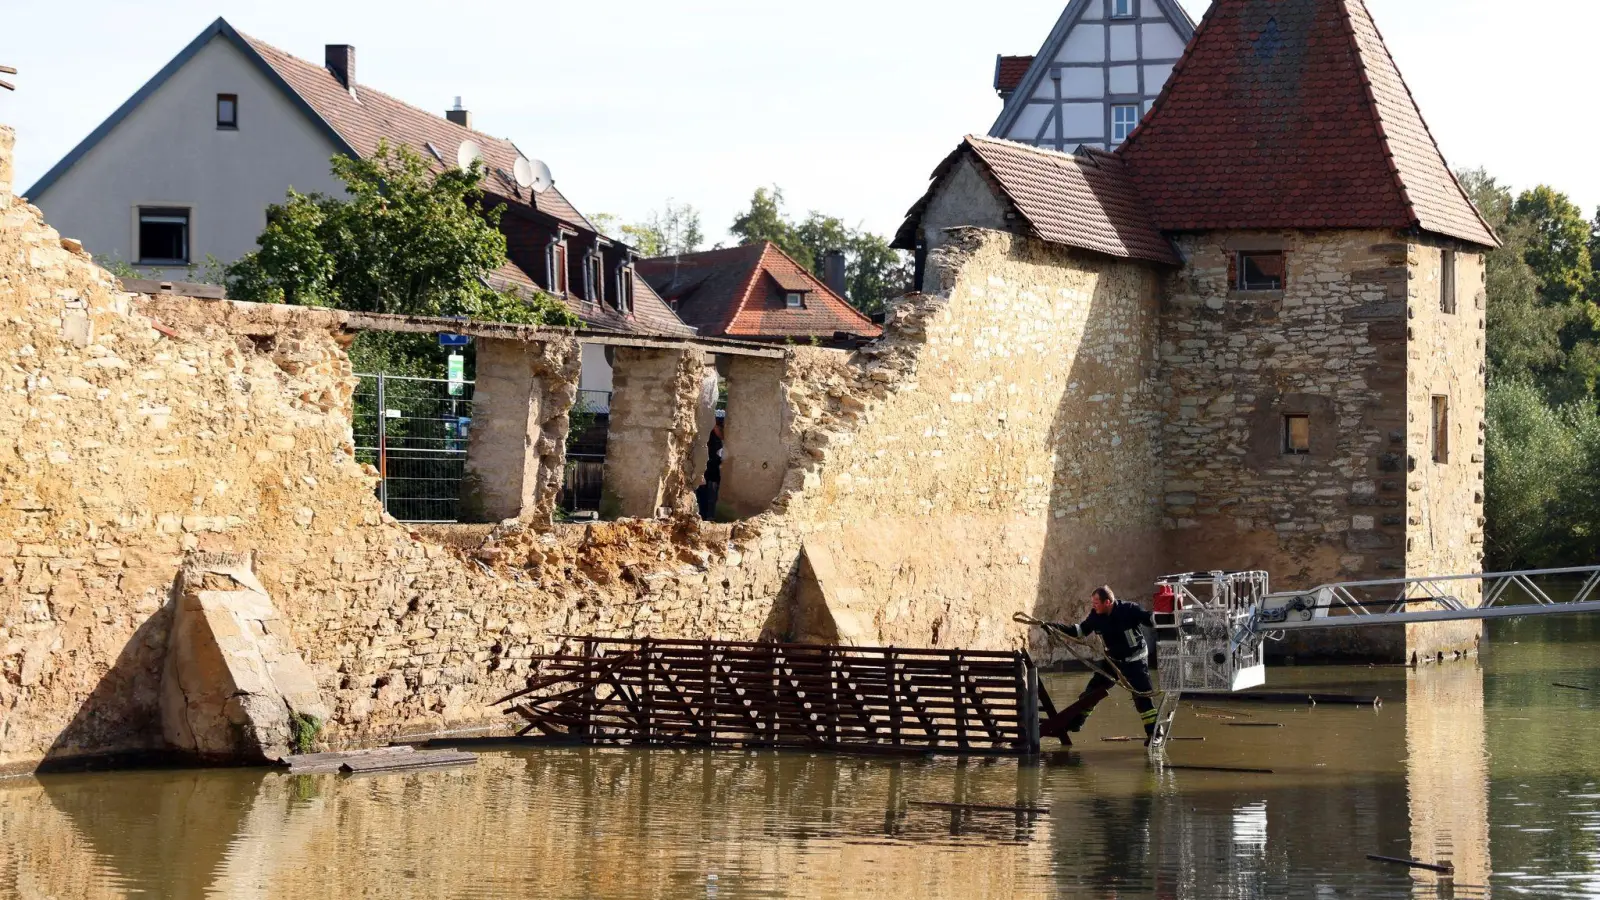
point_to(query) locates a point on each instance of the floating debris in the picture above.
(1447, 868)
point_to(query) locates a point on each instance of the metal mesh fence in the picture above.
(414, 431)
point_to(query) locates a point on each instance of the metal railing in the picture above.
(414, 431)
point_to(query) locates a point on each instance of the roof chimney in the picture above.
(341, 61)
(833, 272)
(459, 115)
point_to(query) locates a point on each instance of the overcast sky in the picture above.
(846, 104)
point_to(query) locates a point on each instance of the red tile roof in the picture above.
(1292, 114)
(739, 292)
(1085, 200)
(1008, 72)
(369, 116)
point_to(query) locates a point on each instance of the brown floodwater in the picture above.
(1485, 765)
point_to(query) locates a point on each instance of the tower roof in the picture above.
(1292, 114)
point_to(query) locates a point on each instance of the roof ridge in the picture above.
(362, 87)
(1172, 79)
(1377, 115)
(1361, 58)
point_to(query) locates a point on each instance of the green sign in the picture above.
(458, 374)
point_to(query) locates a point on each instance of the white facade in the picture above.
(594, 384)
(1097, 74)
(169, 154)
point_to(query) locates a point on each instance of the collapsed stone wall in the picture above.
(136, 430)
(997, 451)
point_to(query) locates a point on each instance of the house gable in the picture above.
(164, 150)
(1092, 64)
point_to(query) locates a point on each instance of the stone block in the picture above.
(232, 678)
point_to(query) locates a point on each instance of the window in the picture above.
(1124, 118)
(163, 236)
(1296, 435)
(228, 112)
(1447, 282)
(794, 300)
(558, 268)
(1441, 429)
(625, 289)
(597, 284)
(1261, 271)
(1121, 9)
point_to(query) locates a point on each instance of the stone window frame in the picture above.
(1240, 282)
(1439, 428)
(1448, 281)
(1289, 446)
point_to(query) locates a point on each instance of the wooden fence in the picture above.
(851, 699)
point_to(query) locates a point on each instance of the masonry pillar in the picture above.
(517, 450)
(654, 426)
(756, 435)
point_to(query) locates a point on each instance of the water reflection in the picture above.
(1447, 778)
(1425, 776)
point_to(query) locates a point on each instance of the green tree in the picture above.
(672, 230)
(404, 240)
(1524, 334)
(1558, 243)
(875, 274)
(765, 220)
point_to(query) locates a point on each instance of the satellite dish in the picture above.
(534, 174)
(468, 153)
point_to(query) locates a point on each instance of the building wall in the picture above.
(169, 152)
(1100, 63)
(1004, 459)
(966, 199)
(1356, 341)
(1444, 500)
(1330, 345)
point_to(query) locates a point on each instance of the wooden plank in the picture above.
(400, 762)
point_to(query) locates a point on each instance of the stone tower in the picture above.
(1323, 344)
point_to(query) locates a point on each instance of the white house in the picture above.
(184, 171)
(1096, 75)
(186, 168)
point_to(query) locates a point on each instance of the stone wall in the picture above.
(1352, 343)
(134, 431)
(998, 451)
(1445, 498)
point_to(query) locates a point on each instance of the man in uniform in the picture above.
(1121, 627)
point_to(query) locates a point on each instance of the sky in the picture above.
(847, 105)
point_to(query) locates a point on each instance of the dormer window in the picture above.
(794, 300)
(597, 293)
(1121, 9)
(625, 290)
(558, 268)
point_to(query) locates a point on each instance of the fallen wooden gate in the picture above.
(714, 693)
